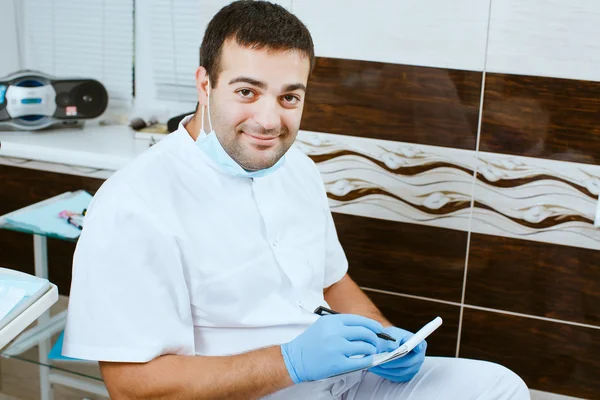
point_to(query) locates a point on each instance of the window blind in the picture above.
(176, 31)
(91, 39)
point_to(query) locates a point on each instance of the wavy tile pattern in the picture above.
(394, 180)
(542, 200)
(527, 198)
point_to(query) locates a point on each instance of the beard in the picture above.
(254, 157)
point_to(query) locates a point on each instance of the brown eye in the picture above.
(291, 99)
(246, 93)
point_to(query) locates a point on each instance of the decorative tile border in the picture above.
(536, 199)
(521, 197)
(394, 180)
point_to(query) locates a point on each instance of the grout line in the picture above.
(546, 319)
(479, 122)
(411, 296)
(473, 307)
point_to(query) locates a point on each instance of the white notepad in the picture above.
(9, 298)
(405, 348)
(36, 296)
(17, 292)
(410, 344)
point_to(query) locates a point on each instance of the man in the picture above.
(201, 262)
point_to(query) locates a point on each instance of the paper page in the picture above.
(30, 284)
(9, 298)
(17, 292)
(410, 344)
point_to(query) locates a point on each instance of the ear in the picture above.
(202, 85)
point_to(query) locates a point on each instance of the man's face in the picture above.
(257, 104)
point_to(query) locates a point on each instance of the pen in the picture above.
(324, 310)
(72, 221)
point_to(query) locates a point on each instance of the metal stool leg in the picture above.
(40, 255)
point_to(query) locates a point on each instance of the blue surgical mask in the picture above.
(211, 146)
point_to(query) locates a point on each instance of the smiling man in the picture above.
(201, 262)
(256, 107)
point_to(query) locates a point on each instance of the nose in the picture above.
(267, 114)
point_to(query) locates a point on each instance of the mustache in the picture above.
(260, 131)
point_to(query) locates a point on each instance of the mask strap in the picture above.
(202, 120)
(208, 106)
(203, 107)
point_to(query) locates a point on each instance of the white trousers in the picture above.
(439, 378)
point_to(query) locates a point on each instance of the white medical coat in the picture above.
(177, 257)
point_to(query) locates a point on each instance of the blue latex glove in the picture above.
(325, 348)
(405, 368)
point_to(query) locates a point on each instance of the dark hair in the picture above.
(256, 24)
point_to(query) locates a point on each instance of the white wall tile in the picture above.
(555, 38)
(436, 33)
